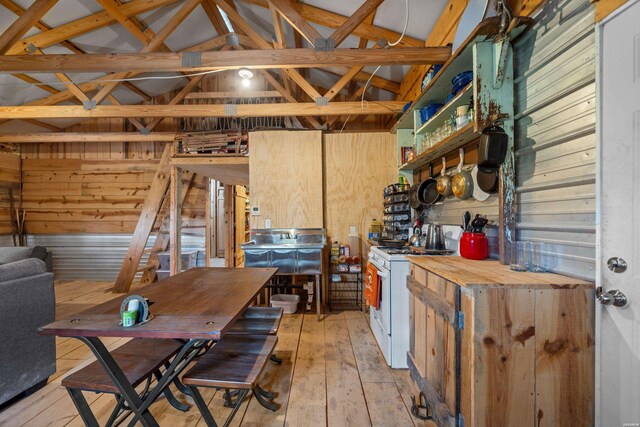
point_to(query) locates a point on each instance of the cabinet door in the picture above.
(441, 330)
(417, 320)
(284, 261)
(257, 258)
(309, 261)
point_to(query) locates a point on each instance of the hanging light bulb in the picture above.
(245, 73)
(246, 82)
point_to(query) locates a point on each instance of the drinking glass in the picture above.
(521, 256)
(539, 257)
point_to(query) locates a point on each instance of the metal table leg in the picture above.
(139, 406)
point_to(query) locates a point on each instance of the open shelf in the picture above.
(454, 141)
(461, 98)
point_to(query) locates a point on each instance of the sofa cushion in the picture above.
(23, 268)
(11, 254)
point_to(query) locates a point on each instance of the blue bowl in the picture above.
(427, 112)
(406, 106)
(461, 80)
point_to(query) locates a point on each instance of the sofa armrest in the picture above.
(26, 358)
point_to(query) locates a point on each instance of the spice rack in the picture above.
(397, 212)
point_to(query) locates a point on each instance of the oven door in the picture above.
(383, 314)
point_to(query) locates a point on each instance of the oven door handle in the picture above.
(382, 272)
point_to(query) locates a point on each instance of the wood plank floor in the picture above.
(333, 374)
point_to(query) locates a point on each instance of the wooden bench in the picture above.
(258, 321)
(235, 362)
(139, 359)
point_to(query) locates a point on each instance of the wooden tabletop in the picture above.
(200, 303)
(490, 273)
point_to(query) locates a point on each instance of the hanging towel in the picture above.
(372, 287)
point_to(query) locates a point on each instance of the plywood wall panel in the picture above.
(358, 167)
(285, 173)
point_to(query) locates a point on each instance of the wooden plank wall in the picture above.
(95, 187)
(357, 168)
(285, 172)
(9, 184)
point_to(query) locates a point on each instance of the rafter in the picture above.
(66, 95)
(135, 122)
(49, 137)
(358, 17)
(288, 96)
(174, 61)
(263, 44)
(154, 44)
(298, 23)
(24, 23)
(214, 15)
(376, 81)
(43, 125)
(335, 20)
(362, 44)
(177, 99)
(83, 25)
(199, 110)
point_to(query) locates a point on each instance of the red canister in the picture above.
(474, 246)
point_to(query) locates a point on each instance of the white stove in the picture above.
(390, 323)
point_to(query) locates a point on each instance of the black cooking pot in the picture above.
(492, 149)
(488, 180)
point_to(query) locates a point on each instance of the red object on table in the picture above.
(474, 246)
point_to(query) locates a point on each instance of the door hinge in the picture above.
(459, 320)
(460, 420)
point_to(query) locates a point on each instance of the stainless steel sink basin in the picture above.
(292, 251)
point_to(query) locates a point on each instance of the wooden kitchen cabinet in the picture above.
(492, 347)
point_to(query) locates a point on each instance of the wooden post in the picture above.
(175, 221)
(207, 224)
(229, 235)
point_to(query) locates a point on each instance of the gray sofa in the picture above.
(27, 301)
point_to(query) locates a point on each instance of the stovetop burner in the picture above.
(394, 251)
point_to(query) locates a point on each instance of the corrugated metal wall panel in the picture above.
(96, 257)
(555, 135)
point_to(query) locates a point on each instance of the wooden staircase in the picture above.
(154, 218)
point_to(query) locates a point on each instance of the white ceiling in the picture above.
(197, 28)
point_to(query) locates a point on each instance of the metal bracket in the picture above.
(500, 50)
(145, 131)
(322, 101)
(459, 320)
(89, 104)
(31, 48)
(232, 40)
(325, 44)
(230, 110)
(382, 43)
(191, 59)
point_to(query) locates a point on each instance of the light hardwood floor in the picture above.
(333, 374)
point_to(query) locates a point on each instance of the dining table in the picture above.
(195, 307)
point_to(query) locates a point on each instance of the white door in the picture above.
(618, 328)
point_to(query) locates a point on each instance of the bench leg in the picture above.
(275, 359)
(261, 400)
(269, 395)
(119, 409)
(83, 408)
(202, 407)
(183, 407)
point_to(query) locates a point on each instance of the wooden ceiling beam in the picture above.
(376, 81)
(263, 44)
(362, 44)
(83, 25)
(177, 99)
(264, 58)
(199, 110)
(18, 10)
(135, 122)
(43, 125)
(334, 20)
(152, 45)
(296, 21)
(24, 23)
(52, 137)
(233, 95)
(214, 15)
(358, 17)
(289, 97)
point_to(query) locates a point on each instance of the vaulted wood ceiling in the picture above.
(82, 58)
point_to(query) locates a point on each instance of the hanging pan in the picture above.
(444, 182)
(428, 190)
(462, 182)
(478, 193)
(414, 203)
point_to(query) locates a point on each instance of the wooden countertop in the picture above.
(491, 273)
